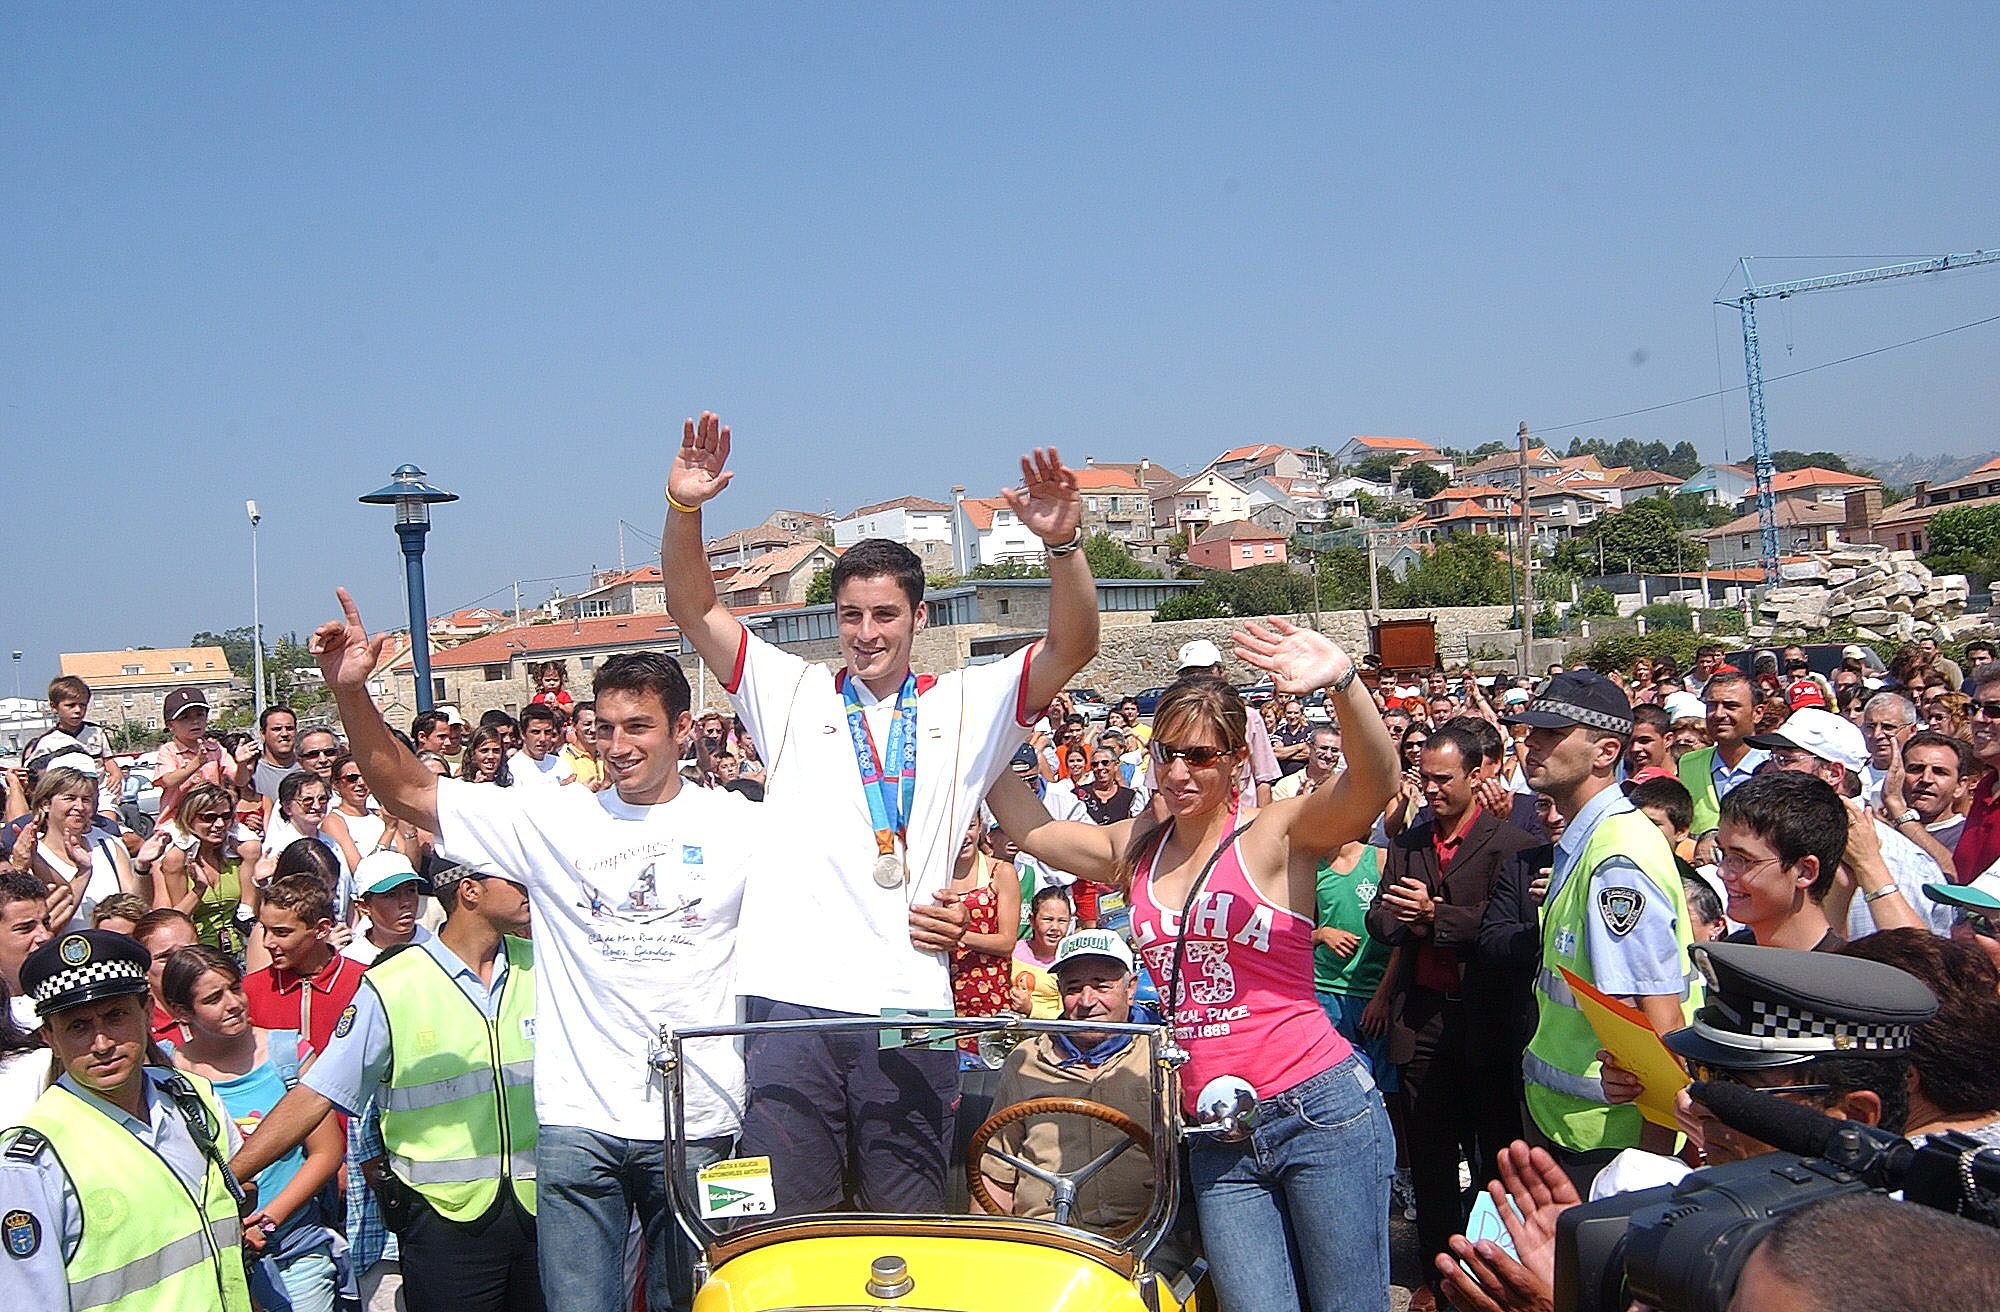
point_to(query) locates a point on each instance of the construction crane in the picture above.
(1746, 304)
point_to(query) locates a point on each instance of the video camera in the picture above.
(1681, 1247)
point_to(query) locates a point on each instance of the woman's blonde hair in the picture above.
(198, 799)
(60, 780)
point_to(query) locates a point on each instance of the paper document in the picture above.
(1628, 1036)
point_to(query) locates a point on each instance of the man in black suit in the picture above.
(1433, 896)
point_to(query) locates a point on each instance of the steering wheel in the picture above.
(1065, 1184)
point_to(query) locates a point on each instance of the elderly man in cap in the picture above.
(1094, 973)
(454, 1084)
(114, 1193)
(1885, 869)
(1615, 917)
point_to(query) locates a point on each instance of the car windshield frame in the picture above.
(1163, 1123)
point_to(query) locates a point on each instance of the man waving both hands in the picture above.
(874, 773)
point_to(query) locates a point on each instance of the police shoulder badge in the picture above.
(1621, 909)
(345, 1023)
(21, 1231)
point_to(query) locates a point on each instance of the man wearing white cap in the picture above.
(1880, 863)
(1975, 909)
(1260, 769)
(387, 889)
(1093, 970)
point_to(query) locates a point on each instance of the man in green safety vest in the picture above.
(441, 1038)
(1614, 916)
(114, 1196)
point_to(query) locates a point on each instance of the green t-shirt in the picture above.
(1343, 904)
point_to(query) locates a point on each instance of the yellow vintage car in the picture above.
(970, 1260)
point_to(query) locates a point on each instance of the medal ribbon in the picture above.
(892, 791)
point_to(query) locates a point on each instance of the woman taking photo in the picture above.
(206, 881)
(250, 1069)
(1223, 899)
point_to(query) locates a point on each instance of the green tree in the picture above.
(1645, 537)
(1466, 569)
(1109, 559)
(1786, 461)
(1378, 468)
(1423, 481)
(1177, 545)
(1191, 604)
(937, 579)
(1596, 603)
(1010, 569)
(237, 648)
(1966, 540)
(820, 591)
(1372, 506)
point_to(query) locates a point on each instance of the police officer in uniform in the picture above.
(114, 1192)
(1614, 916)
(441, 1038)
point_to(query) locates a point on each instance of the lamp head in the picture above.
(410, 495)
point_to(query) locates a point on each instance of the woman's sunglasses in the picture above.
(1197, 757)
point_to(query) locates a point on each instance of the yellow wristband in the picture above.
(685, 510)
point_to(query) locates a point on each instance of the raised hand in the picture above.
(347, 655)
(1047, 501)
(697, 474)
(22, 855)
(1298, 660)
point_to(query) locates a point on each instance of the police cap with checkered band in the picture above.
(1577, 697)
(85, 965)
(1781, 1006)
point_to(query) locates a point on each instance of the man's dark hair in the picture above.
(21, 886)
(497, 718)
(1866, 1252)
(646, 672)
(880, 558)
(1729, 678)
(1968, 763)
(1957, 1051)
(1711, 649)
(541, 713)
(426, 723)
(304, 893)
(293, 784)
(264, 719)
(1647, 713)
(310, 857)
(1983, 675)
(1979, 644)
(1484, 732)
(1799, 815)
(1460, 739)
(580, 707)
(1670, 796)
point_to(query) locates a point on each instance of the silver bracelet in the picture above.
(1069, 547)
(1339, 685)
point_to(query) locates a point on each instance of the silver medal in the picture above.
(889, 870)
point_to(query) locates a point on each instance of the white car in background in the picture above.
(139, 799)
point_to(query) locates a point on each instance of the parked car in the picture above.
(139, 797)
(1148, 698)
(1090, 704)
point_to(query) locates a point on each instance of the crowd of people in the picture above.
(368, 1018)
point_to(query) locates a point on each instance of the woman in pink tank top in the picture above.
(1223, 899)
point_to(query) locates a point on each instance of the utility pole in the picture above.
(621, 546)
(1374, 584)
(1527, 563)
(517, 601)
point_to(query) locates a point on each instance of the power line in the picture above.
(1774, 378)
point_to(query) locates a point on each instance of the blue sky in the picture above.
(272, 252)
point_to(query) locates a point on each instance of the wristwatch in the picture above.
(1908, 815)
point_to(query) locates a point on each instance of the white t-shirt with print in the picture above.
(636, 911)
(550, 770)
(817, 929)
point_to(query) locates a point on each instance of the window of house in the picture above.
(1005, 605)
(437, 688)
(130, 669)
(494, 673)
(183, 667)
(1249, 553)
(1270, 549)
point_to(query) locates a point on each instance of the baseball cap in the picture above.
(1516, 697)
(1199, 654)
(1982, 894)
(1578, 697)
(1685, 706)
(1093, 943)
(1828, 736)
(381, 871)
(182, 700)
(1024, 758)
(1853, 653)
(451, 715)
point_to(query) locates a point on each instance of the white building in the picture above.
(22, 720)
(986, 532)
(922, 525)
(1721, 485)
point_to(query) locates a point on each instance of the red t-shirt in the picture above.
(1979, 842)
(1437, 968)
(280, 1000)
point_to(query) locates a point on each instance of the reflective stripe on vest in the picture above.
(149, 1242)
(458, 1113)
(137, 1277)
(1560, 1067)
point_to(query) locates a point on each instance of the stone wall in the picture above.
(1888, 596)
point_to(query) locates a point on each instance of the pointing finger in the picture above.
(348, 608)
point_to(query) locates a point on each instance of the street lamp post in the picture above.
(413, 498)
(256, 612)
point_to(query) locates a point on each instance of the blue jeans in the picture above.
(1297, 1216)
(1344, 1010)
(588, 1186)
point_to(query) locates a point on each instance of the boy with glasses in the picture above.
(1781, 838)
